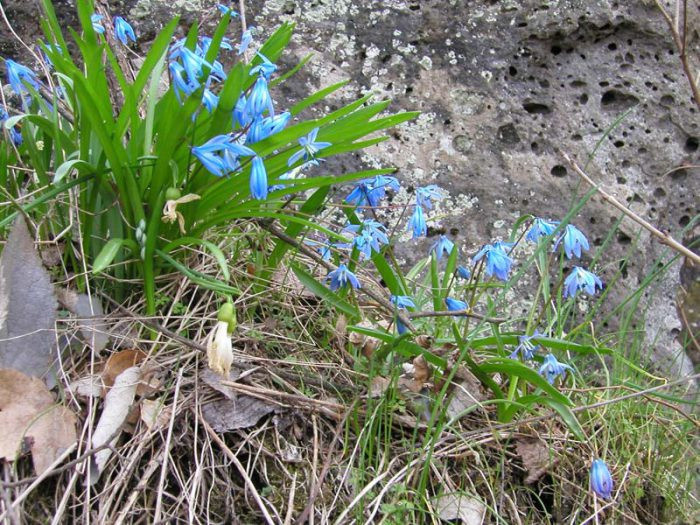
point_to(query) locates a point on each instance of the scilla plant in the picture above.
(157, 168)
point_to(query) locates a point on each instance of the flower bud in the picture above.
(172, 194)
(601, 480)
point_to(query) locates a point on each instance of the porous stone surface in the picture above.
(504, 86)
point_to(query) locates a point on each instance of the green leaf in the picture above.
(65, 168)
(324, 293)
(107, 254)
(213, 248)
(316, 97)
(515, 368)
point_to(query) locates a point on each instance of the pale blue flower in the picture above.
(340, 277)
(371, 191)
(581, 279)
(205, 42)
(15, 134)
(601, 480)
(526, 348)
(96, 26)
(123, 30)
(322, 247)
(210, 100)
(18, 75)
(246, 39)
(402, 302)
(224, 10)
(426, 195)
(455, 305)
(258, 179)
(309, 148)
(370, 235)
(574, 241)
(541, 228)
(417, 223)
(259, 100)
(219, 154)
(552, 368)
(464, 272)
(443, 244)
(265, 68)
(240, 116)
(262, 128)
(498, 262)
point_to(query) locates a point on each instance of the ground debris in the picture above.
(244, 411)
(459, 506)
(537, 457)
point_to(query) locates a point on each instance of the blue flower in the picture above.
(261, 128)
(258, 179)
(309, 148)
(553, 368)
(526, 348)
(322, 247)
(51, 49)
(210, 100)
(443, 244)
(206, 41)
(417, 223)
(498, 262)
(223, 9)
(123, 30)
(402, 302)
(340, 277)
(371, 191)
(427, 194)
(464, 272)
(541, 228)
(265, 68)
(455, 305)
(574, 240)
(259, 99)
(371, 236)
(96, 26)
(18, 75)
(219, 155)
(601, 480)
(240, 116)
(581, 279)
(246, 39)
(15, 134)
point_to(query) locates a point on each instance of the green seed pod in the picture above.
(172, 194)
(227, 314)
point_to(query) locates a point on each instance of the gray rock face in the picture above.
(503, 86)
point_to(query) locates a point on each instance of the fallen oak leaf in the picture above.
(118, 402)
(31, 421)
(232, 414)
(537, 458)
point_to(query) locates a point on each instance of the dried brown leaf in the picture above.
(90, 317)
(155, 414)
(27, 307)
(119, 362)
(117, 405)
(232, 414)
(31, 421)
(537, 458)
(214, 380)
(466, 394)
(88, 386)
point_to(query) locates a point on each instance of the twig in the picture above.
(239, 466)
(664, 238)
(681, 40)
(316, 488)
(241, 9)
(458, 313)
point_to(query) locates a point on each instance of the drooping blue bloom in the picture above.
(443, 244)
(370, 235)
(96, 26)
(15, 133)
(541, 228)
(17, 75)
(240, 116)
(183, 88)
(417, 223)
(210, 100)
(581, 279)
(309, 148)
(51, 48)
(464, 272)
(526, 348)
(259, 100)
(574, 241)
(402, 302)
(426, 195)
(601, 480)
(265, 68)
(123, 31)
(219, 154)
(455, 305)
(192, 62)
(553, 368)
(371, 191)
(223, 9)
(246, 39)
(323, 247)
(263, 127)
(340, 277)
(498, 262)
(215, 164)
(205, 42)
(258, 179)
